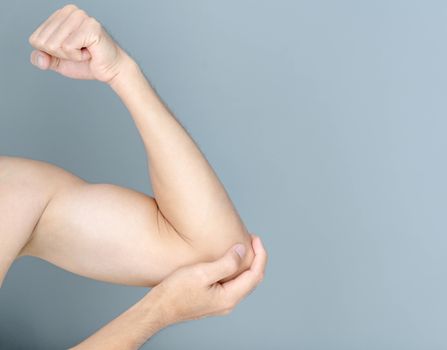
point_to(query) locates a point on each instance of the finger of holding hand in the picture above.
(225, 266)
(241, 286)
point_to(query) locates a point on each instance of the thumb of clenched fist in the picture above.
(75, 45)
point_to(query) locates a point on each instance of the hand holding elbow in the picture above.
(197, 291)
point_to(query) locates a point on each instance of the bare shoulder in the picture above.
(26, 188)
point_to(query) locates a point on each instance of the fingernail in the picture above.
(39, 61)
(240, 249)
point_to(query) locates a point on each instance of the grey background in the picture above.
(326, 122)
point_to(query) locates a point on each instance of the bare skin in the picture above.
(191, 292)
(178, 241)
(104, 231)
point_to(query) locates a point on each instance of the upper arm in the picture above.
(109, 233)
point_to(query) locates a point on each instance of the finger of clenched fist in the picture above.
(75, 45)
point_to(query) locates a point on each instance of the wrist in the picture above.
(127, 68)
(155, 300)
(144, 319)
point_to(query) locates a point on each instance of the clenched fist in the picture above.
(75, 45)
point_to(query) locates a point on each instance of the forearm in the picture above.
(189, 293)
(186, 188)
(131, 329)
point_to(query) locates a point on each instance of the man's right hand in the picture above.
(193, 292)
(77, 46)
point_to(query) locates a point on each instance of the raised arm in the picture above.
(186, 189)
(102, 230)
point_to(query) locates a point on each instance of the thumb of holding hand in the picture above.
(226, 265)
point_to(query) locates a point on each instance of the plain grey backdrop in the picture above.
(326, 122)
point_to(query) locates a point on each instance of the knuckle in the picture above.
(38, 42)
(66, 46)
(232, 265)
(51, 46)
(32, 39)
(94, 25)
(200, 274)
(93, 22)
(81, 13)
(69, 7)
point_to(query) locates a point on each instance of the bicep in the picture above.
(109, 233)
